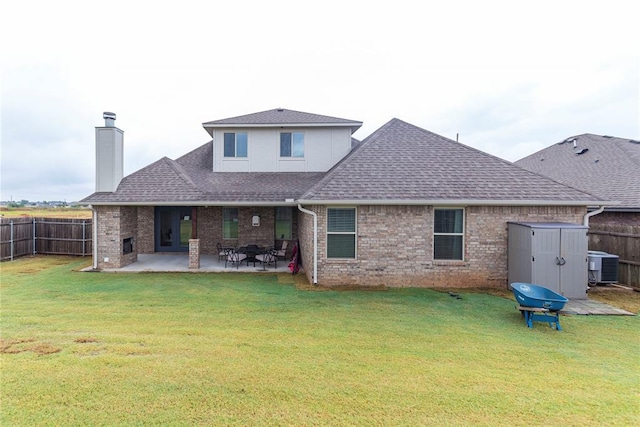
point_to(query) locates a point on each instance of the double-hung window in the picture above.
(448, 234)
(230, 223)
(341, 233)
(292, 144)
(235, 144)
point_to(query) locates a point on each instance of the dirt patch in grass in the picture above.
(85, 340)
(302, 283)
(32, 264)
(27, 344)
(503, 293)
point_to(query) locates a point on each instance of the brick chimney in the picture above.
(109, 155)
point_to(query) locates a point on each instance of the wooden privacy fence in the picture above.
(621, 240)
(54, 236)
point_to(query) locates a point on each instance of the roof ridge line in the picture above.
(181, 171)
(343, 163)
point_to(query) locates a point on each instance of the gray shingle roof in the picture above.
(190, 179)
(398, 163)
(402, 162)
(610, 168)
(163, 180)
(281, 117)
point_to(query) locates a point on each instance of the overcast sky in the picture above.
(508, 77)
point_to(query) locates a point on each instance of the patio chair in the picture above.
(281, 253)
(234, 257)
(222, 252)
(268, 257)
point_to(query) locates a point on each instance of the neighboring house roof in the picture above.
(398, 164)
(606, 166)
(282, 117)
(401, 164)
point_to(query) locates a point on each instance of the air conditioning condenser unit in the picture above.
(603, 267)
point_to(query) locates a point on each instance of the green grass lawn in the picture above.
(239, 349)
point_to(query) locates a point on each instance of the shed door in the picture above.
(545, 250)
(573, 274)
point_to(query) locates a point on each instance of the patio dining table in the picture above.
(251, 251)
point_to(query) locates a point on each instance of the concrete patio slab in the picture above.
(180, 263)
(592, 307)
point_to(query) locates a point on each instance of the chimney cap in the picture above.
(108, 115)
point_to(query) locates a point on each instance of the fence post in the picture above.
(11, 237)
(84, 240)
(34, 235)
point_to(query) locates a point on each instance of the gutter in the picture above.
(94, 238)
(457, 202)
(315, 241)
(590, 214)
(199, 203)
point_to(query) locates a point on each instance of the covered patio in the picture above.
(179, 262)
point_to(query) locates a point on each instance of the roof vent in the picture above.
(634, 141)
(280, 110)
(571, 139)
(607, 136)
(581, 151)
(109, 118)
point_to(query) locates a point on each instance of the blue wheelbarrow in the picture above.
(538, 304)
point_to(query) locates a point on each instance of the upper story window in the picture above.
(448, 234)
(292, 144)
(235, 144)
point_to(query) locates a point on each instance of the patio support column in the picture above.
(194, 253)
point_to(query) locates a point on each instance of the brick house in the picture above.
(403, 207)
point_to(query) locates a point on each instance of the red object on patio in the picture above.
(294, 265)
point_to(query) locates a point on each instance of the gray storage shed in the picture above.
(549, 254)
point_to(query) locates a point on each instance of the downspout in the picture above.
(315, 241)
(94, 238)
(590, 214)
